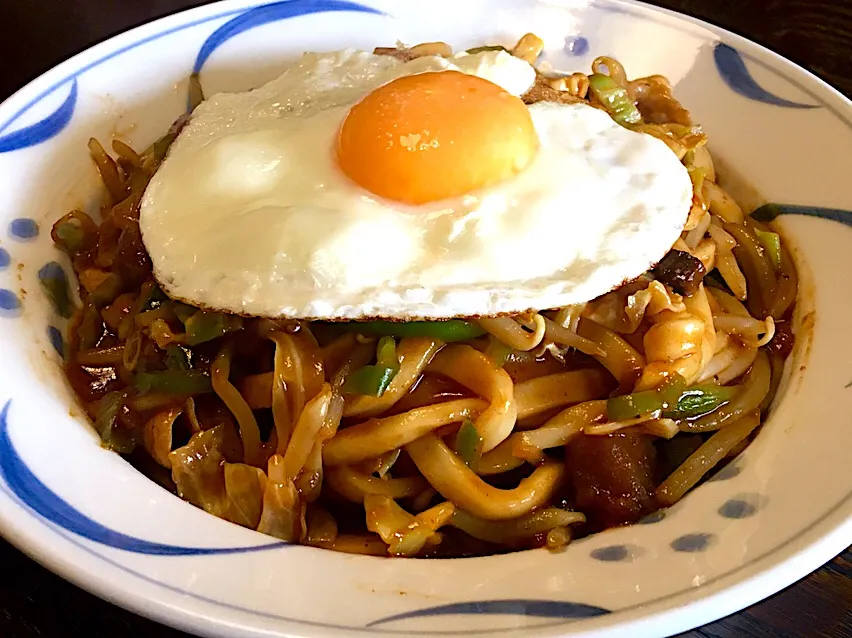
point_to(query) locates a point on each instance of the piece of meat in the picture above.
(612, 478)
(784, 339)
(403, 55)
(680, 271)
(541, 91)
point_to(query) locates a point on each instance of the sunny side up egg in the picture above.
(359, 186)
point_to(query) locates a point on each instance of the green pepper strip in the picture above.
(176, 359)
(173, 382)
(446, 331)
(771, 242)
(375, 379)
(184, 312)
(491, 47)
(671, 400)
(107, 291)
(75, 232)
(497, 352)
(615, 98)
(700, 400)
(469, 444)
(370, 381)
(114, 437)
(697, 175)
(206, 326)
(633, 406)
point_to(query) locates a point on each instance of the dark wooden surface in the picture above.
(37, 34)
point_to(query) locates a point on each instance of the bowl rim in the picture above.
(727, 593)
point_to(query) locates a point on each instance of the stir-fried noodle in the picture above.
(446, 438)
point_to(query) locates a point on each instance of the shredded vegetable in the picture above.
(446, 331)
(771, 242)
(700, 400)
(113, 436)
(648, 402)
(469, 444)
(183, 382)
(176, 359)
(373, 380)
(205, 326)
(615, 99)
(492, 47)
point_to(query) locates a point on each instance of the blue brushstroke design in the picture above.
(514, 607)
(9, 303)
(23, 228)
(737, 508)
(29, 489)
(612, 554)
(735, 73)
(56, 340)
(43, 130)
(768, 212)
(692, 543)
(576, 45)
(271, 13)
(5, 258)
(726, 473)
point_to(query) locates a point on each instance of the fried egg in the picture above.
(359, 186)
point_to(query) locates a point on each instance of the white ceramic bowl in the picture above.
(780, 511)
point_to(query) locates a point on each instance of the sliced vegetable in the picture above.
(697, 175)
(490, 47)
(469, 444)
(497, 352)
(176, 359)
(373, 380)
(183, 311)
(615, 99)
(447, 331)
(108, 170)
(113, 436)
(186, 382)
(206, 326)
(132, 350)
(647, 402)
(107, 290)
(699, 400)
(149, 294)
(155, 153)
(771, 242)
(91, 327)
(386, 353)
(75, 232)
(370, 381)
(671, 400)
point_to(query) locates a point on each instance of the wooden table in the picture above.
(37, 34)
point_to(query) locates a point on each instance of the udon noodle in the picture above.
(451, 438)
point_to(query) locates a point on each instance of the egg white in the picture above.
(249, 212)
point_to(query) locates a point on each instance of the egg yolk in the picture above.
(426, 137)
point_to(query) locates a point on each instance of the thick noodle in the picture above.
(472, 369)
(456, 482)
